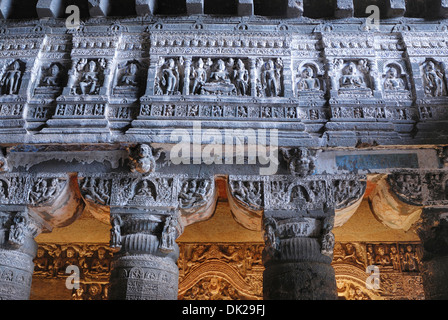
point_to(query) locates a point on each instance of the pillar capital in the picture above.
(297, 214)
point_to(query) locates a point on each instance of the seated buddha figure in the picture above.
(219, 81)
(350, 78)
(393, 81)
(89, 80)
(308, 82)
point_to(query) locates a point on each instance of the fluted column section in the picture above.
(145, 266)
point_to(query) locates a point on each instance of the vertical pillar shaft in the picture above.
(297, 259)
(145, 267)
(433, 232)
(17, 251)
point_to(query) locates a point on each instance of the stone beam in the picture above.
(294, 9)
(195, 7)
(443, 10)
(5, 8)
(99, 8)
(50, 8)
(344, 9)
(396, 8)
(245, 7)
(143, 7)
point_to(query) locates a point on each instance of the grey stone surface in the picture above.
(5, 8)
(344, 8)
(195, 7)
(99, 8)
(245, 7)
(50, 8)
(396, 8)
(143, 7)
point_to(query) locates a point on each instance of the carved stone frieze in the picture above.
(420, 187)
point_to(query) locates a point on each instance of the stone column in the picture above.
(17, 251)
(433, 232)
(148, 212)
(25, 211)
(298, 215)
(145, 266)
(298, 256)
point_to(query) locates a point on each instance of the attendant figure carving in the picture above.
(270, 78)
(200, 77)
(10, 82)
(434, 80)
(241, 76)
(170, 77)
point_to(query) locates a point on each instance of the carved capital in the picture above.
(53, 197)
(298, 239)
(150, 232)
(17, 228)
(407, 186)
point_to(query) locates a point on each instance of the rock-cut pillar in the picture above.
(433, 232)
(297, 258)
(17, 251)
(145, 266)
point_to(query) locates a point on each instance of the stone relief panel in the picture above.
(354, 78)
(130, 78)
(309, 80)
(11, 77)
(51, 79)
(93, 261)
(168, 78)
(88, 76)
(220, 77)
(394, 81)
(270, 81)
